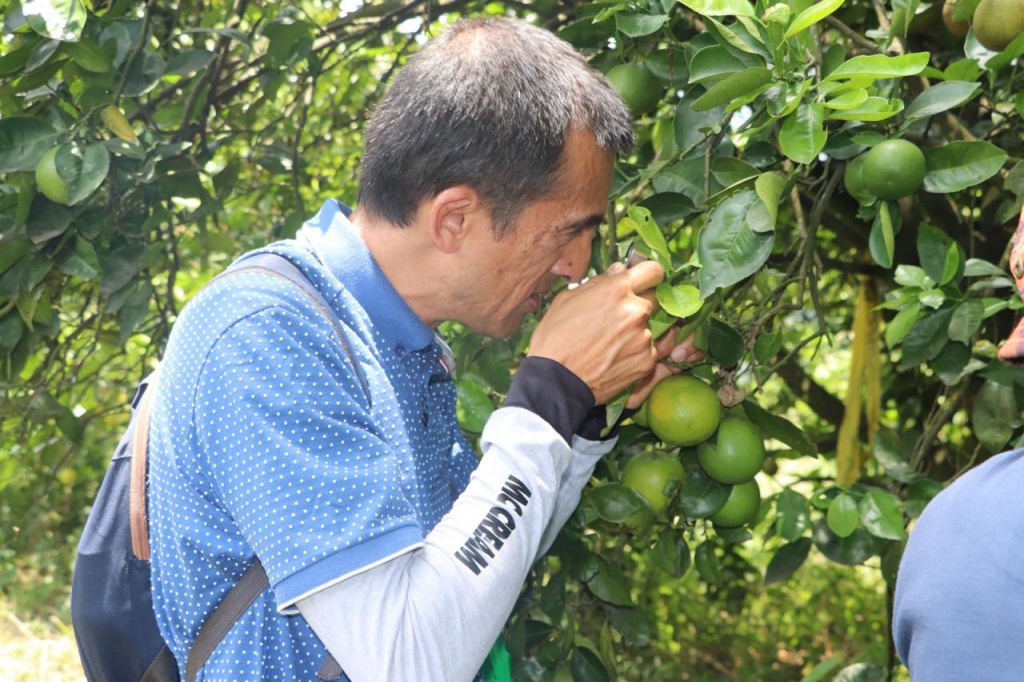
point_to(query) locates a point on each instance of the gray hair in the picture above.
(488, 103)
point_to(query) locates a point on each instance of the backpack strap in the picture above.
(254, 581)
(137, 505)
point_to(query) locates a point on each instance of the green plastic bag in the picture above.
(498, 665)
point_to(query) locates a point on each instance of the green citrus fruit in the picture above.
(48, 180)
(956, 28)
(655, 475)
(893, 169)
(998, 22)
(741, 507)
(853, 179)
(737, 453)
(683, 410)
(637, 87)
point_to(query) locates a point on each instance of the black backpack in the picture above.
(111, 602)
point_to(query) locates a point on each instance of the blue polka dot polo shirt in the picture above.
(264, 442)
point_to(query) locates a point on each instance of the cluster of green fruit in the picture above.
(684, 411)
(996, 23)
(891, 170)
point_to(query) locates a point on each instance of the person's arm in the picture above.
(439, 608)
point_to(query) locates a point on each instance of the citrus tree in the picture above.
(831, 187)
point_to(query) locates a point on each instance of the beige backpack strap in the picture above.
(137, 491)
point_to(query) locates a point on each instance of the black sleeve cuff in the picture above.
(553, 393)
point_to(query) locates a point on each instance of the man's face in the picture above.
(550, 241)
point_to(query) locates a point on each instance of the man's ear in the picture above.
(453, 214)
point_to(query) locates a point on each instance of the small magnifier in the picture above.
(630, 250)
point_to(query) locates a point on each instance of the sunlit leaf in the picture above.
(961, 164)
(812, 15)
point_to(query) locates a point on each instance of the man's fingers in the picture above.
(686, 351)
(645, 275)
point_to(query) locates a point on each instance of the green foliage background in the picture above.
(190, 132)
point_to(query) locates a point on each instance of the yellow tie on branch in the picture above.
(864, 391)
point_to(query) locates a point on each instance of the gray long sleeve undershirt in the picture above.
(434, 611)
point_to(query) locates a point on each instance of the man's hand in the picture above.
(666, 347)
(599, 330)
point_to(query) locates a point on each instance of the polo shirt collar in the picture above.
(340, 248)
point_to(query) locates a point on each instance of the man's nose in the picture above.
(575, 260)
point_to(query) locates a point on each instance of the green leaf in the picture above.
(976, 267)
(12, 252)
(80, 261)
(23, 140)
(720, 8)
(615, 502)
(779, 428)
(966, 320)
(643, 222)
(881, 66)
(843, 516)
(850, 551)
(119, 266)
(188, 63)
(926, 338)
(56, 19)
(715, 62)
(871, 109)
(692, 127)
(474, 406)
(728, 248)
(822, 671)
(764, 215)
(810, 16)
(919, 494)
(88, 55)
(671, 553)
(766, 346)
(786, 560)
(725, 344)
(961, 164)
(11, 330)
(849, 99)
(794, 515)
(888, 452)
(730, 171)
(587, 666)
(733, 88)
(681, 300)
(803, 135)
(636, 25)
(881, 515)
(631, 623)
(707, 563)
(939, 98)
(47, 220)
(609, 585)
(701, 496)
(882, 240)
(952, 362)
(897, 329)
(134, 310)
(993, 414)
(143, 74)
(83, 168)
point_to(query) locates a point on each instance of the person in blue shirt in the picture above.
(387, 541)
(958, 610)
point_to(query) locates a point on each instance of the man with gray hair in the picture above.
(336, 458)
